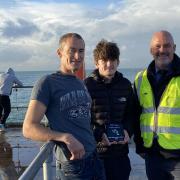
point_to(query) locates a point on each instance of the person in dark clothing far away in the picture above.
(157, 130)
(7, 80)
(112, 110)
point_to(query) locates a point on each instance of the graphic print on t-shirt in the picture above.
(76, 104)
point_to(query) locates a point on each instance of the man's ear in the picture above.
(96, 64)
(151, 51)
(59, 52)
(174, 47)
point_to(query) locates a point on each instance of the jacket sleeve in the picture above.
(17, 81)
(137, 131)
(98, 129)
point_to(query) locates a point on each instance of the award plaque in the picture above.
(115, 132)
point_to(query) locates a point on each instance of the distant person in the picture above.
(7, 80)
(112, 110)
(65, 101)
(157, 132)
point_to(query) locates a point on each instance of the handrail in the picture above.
(45, 154)
(19, 103)
(17, 87)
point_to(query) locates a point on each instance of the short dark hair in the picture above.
(67, 36)
(106, 51)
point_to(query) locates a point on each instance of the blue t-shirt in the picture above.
(68, 106)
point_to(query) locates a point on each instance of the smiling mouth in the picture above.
(163, 57)
(75, 62)
(110, 69)
(163, 54)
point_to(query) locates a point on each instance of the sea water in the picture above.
(30, 77)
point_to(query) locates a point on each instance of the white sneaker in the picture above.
(2, 128)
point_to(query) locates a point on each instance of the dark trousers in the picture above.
(157, 167)
(117, 168)
(5, 108)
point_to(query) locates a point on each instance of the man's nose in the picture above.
(108, 63)
(76, 55)
(161, 49)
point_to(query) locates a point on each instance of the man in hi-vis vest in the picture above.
(157, 132)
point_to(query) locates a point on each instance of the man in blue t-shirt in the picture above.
(66, 103)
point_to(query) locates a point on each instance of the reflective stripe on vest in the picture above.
(167, 115)
(165, 110)
(170, 130)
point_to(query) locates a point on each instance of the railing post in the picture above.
(36, 164)
(47, 168)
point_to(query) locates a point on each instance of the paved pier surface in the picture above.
(16, 153)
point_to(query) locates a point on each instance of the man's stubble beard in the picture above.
(162, 63)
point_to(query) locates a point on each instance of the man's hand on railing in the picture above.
(75, 147)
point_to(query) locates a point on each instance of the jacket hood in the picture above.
(10, 71)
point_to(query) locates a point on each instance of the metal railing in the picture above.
(45, 157)
(19, 102)
(20, 97)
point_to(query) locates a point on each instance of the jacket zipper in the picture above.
(156, 114)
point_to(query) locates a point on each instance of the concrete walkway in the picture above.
(137, 165)
(16, 153)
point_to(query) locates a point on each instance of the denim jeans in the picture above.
(157, 167)
(90, 168)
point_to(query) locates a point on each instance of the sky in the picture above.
(30, 29)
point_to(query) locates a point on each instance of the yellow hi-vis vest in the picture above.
(163, 121)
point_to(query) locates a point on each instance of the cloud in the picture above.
(31, 29)
(18, 29)
(13, 56)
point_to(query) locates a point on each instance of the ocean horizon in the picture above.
(30, 77)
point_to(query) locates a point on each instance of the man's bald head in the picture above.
(164, 34)
(162, 48)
